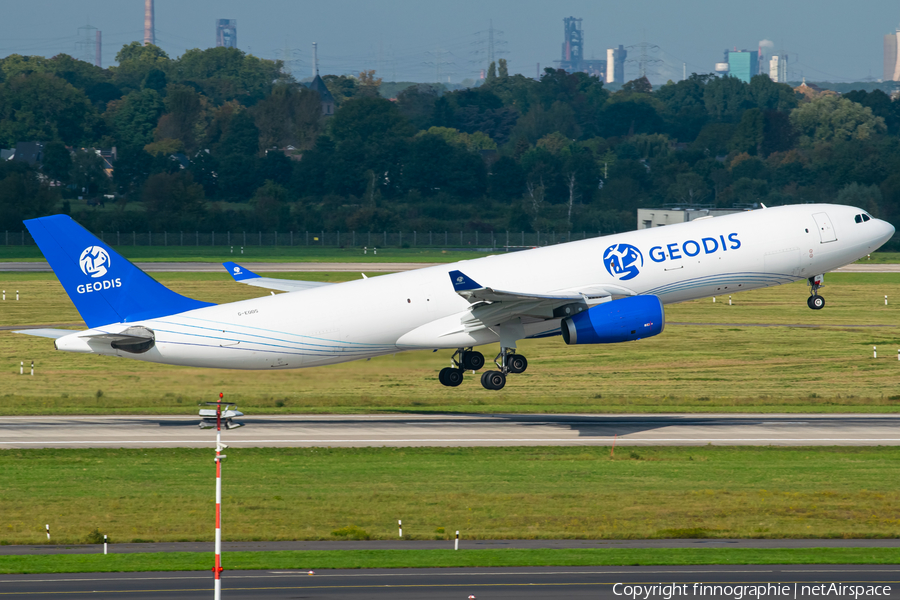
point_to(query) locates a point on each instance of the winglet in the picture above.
(238, 272)
(462, 282)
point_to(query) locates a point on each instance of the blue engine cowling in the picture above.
(621, 320)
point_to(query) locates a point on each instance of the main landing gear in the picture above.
(467, 359)
(815, 301)
(464, 359)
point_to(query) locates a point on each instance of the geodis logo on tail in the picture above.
(95, 263)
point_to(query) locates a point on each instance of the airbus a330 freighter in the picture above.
(598, 291)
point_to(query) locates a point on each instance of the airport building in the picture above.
(647, 218)
(743, 64)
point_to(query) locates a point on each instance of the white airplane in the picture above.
(602, 290)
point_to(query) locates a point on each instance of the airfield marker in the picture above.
(218, 566)
(400, 526)
(21, 367)
(104, 543)
(207, 423)
(874, 351)
(729, 300)
(456, 543)
(32, 368)
(17, 295)
(714, 299)
(885, 300)
(48, 531)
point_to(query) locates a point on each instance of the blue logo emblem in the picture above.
(623, 261)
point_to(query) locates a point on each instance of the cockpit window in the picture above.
(866, 217)
(858, 218)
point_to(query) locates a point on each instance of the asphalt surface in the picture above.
(458, 584)
(456, 430)
(464, 544)
(310, 267)
(256, 267)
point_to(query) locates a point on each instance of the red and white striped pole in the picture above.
(217, 569)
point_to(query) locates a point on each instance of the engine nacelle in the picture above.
(621, 320)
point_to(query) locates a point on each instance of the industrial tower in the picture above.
(573, 59)
(226, 33)
(149, 25)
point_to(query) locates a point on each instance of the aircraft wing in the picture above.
(490, 307)
(244, 275)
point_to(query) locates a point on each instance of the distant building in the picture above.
(811, 90)
(743, 64)
(891, 64)
(778, 68)
(615, 64)
(325, 96)
(648, 218)
(573, 60)
(29, 152)
(226, 33)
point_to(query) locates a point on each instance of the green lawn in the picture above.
(727, 366)
(485, 493)
(387, 559)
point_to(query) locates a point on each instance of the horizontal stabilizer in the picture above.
(53, 334)
(245, 275)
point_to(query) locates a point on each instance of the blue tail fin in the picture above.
(104, 287)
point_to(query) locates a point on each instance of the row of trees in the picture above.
(218, 139)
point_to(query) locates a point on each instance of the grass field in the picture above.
(263, 253)
(485, 493)
(730, 365)
(387, 559)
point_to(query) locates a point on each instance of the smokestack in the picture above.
(315, 60)
(149, 26)
(97, 47)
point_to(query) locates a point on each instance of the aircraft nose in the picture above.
(888, 230)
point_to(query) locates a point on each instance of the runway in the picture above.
(257, 267)
(41, 266)
(457, 584)
(457, 430)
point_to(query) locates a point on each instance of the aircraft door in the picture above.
(826, 231)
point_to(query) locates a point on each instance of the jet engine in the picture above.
(621, 320)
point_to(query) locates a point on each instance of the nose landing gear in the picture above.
(815, 301)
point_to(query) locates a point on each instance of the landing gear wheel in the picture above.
(472, 361)
(450, 377)
(493, 380)
(516, 363)
(816, 302)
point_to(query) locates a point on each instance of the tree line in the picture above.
(218, 140)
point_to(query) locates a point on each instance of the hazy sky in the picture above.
(833, 40)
